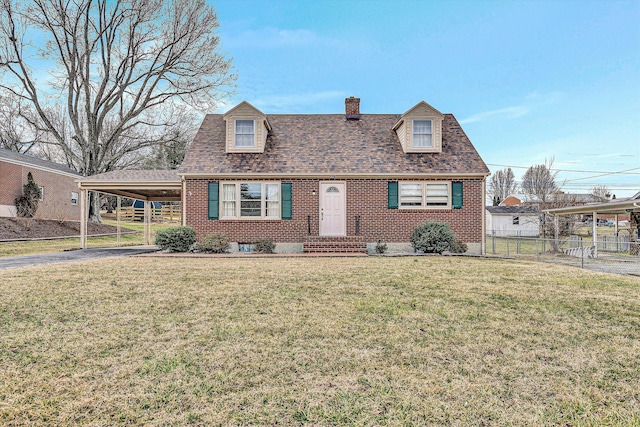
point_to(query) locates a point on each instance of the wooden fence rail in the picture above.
(168, 213)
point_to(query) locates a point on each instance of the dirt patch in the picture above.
(30, 228)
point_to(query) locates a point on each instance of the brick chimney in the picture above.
(352, 108)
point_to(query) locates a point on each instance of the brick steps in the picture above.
(339, 244)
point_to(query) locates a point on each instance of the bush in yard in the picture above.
(381, 248)
(214, 243)
(27, 204)
(176, 239)
(264, 246)
(436, 237)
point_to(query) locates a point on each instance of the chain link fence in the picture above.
(610, 254)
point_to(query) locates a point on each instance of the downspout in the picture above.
(183, 198)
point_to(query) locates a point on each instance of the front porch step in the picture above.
(341, 244)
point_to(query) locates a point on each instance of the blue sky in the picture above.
(528, 80)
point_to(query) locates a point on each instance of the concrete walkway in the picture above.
(75, 255)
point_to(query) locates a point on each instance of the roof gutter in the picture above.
(330, 175)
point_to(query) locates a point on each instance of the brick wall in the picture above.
(366, 198)
(57, 191)
(10, 183)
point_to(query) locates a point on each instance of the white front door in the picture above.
(332, 209)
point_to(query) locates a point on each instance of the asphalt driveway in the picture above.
(76, 255)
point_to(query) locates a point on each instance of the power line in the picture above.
(624, 172)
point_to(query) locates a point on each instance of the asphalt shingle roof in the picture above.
(13, 157)
(328, 143)
(512, 209)
(136, 175)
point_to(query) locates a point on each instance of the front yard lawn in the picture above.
(318, 341)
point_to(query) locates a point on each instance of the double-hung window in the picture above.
(424, 195)
(422, 133)
(250, 200)
(245, 133)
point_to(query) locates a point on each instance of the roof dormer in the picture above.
(420, 129)
(247, 129)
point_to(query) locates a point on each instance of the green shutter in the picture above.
(213, 200)
(392, 195)
(285, 188)
(456, 195)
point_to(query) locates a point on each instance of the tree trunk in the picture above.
(94, 207)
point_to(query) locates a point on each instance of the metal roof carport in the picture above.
(629, 206)
(146, 185)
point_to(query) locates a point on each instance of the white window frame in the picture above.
(515, 220)
(236, 133)
(237, 211)
(426, 195)
(74, 201)
(414, 133)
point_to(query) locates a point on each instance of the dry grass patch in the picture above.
(371, 341)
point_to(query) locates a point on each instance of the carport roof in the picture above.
(163, 185)
(613, 207)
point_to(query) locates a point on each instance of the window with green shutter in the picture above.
(456, 195)
(213, 200)
(286, 200)
(392, 195)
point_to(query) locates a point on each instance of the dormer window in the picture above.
(422, 133)
(245, 133)
(420, 129)
(247, 129)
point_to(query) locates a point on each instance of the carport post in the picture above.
(118, 208)
(83, 218)
(594, 228)
(147, 221)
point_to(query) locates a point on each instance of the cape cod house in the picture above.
(332, 182)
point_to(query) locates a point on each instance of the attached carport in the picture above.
(629, 206)
(145, 185)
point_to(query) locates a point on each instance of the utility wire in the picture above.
(624, 172)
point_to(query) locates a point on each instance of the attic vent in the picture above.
(333, 189)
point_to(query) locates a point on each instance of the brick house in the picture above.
(314, 182)
(57, 183)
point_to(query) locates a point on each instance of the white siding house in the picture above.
(513, 221)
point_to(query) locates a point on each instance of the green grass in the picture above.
(369, 341)
(32, 247)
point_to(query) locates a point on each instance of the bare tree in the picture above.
(17, 134)
(501, 185)
(600, 193)
(121, 67)
(539, 184)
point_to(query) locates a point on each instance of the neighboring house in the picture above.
(513, 221)
(512, 200)
(336, 182)
(59, 190)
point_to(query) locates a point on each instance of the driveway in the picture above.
(76, 255)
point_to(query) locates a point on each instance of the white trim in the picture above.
(341, 176)
(423, 203)
(238, 201)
